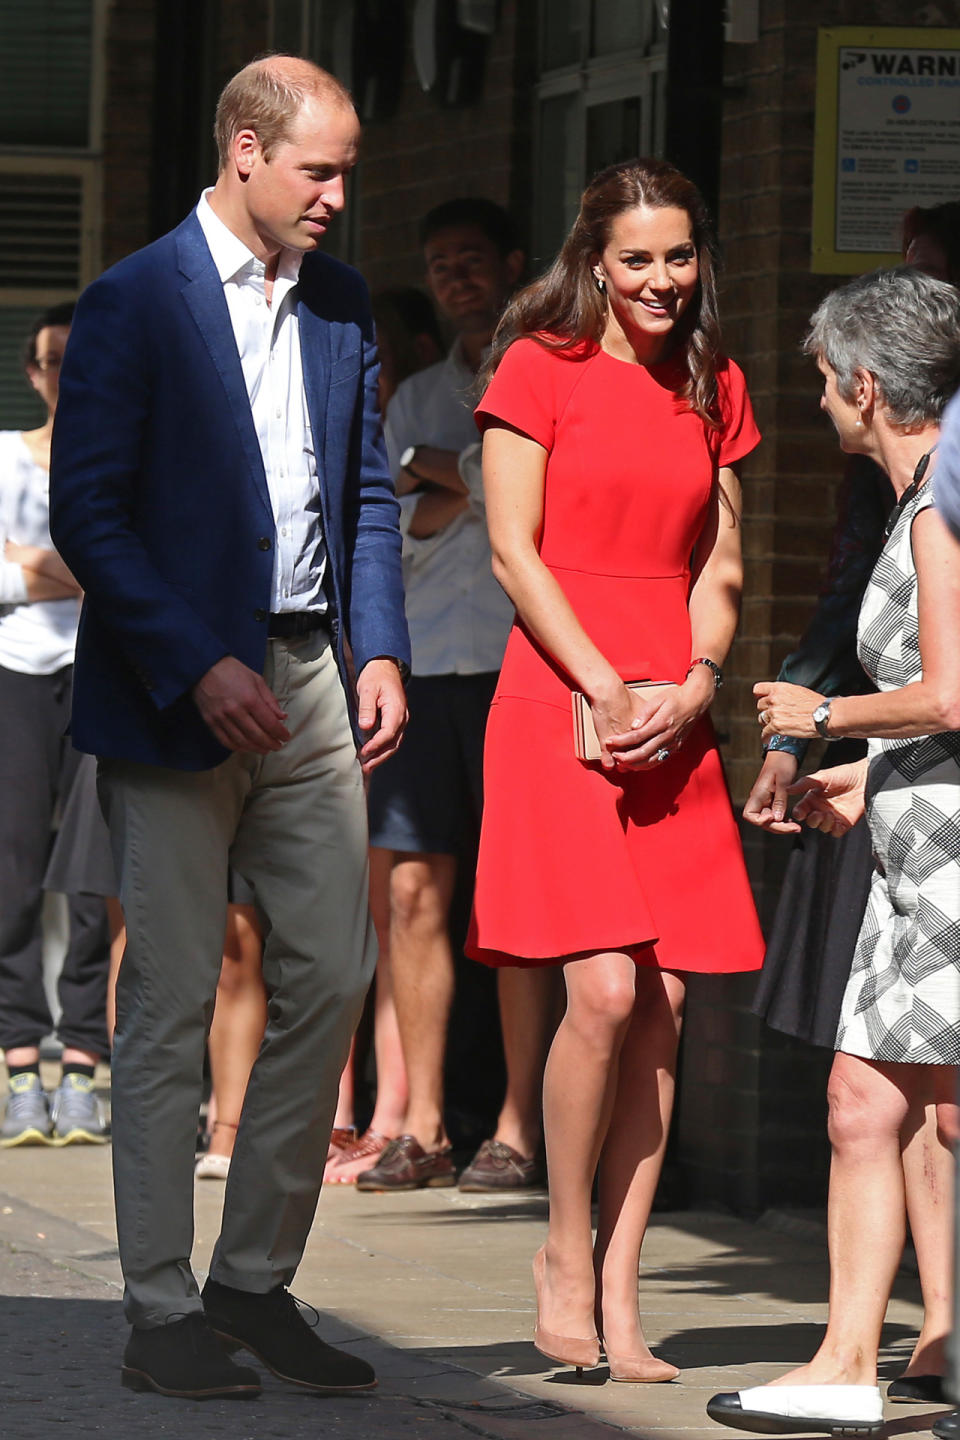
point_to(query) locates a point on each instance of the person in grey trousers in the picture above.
(220, 490)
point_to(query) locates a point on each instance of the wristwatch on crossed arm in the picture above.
(406, 462)
(821, 717)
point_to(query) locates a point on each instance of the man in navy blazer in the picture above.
(220, 490)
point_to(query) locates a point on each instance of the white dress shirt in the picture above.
(268, 340)
(38, 637)
(458, 615)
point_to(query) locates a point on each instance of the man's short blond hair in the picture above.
(267, 95)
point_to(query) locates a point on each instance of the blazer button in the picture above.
(263, 543)
(260, 615)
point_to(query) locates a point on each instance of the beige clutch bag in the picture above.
(586, 746)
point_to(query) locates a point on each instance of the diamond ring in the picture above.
(662, 754)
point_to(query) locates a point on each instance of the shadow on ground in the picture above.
(67, 1373)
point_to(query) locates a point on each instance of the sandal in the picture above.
(341, 1138)
(370, 1146)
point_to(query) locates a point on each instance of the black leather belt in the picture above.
(290, 623)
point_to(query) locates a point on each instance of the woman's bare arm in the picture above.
(514, 467)
(926, 707)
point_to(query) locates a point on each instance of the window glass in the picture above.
(613, 133)
(41, 220)
(45, 65)
(562, 25)
(20, 407)
(560, 168)
(622, 25)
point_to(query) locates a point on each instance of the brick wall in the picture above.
(426, 155)
(761, 1093)
(128, 128)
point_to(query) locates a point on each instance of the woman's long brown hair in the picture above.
(563, 309)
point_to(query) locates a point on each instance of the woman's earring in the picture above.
(601, 283)
(859, 419)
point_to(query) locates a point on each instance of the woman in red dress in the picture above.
(612, 430)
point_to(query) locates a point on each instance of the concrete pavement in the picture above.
(434, 1288)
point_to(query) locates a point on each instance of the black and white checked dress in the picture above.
(902, 1001)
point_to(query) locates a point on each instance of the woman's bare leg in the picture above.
(391, 1100)
(239, 1020)
(343, 1116)
(528, 999)
(631, 1161)
(928, 1179)
(578, 1096)
(870, 1107)
(118, 941)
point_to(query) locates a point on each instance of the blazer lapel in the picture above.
(315, 356)
(206, 301)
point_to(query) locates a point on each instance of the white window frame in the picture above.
(600, 80)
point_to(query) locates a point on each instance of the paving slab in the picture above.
(434, 1288)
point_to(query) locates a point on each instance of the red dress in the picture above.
(575, 859)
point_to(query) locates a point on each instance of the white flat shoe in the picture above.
(212, 1167)
(801, 1409)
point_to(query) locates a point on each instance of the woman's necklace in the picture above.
(909, 493)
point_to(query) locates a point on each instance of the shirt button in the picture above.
(283, 531)
(260, 615)
(279, 413)
(263, 543)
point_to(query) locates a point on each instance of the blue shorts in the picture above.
(428, 796)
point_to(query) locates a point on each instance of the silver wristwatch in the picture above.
(820, 718)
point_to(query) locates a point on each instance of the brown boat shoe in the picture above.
(405, 1165)
(497, 1166)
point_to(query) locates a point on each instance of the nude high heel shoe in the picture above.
(565, 1349)
(645, 1370)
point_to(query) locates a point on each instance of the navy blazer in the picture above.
(159, 500)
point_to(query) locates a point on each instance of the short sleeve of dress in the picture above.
(738, 433)
(523, 392)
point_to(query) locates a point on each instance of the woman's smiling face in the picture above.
(651, 272)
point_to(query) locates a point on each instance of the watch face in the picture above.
(407, 457)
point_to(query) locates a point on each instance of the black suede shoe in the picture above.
(272, 1328)
(185, 1359)
(917, 1390)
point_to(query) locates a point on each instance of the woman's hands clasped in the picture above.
(640, 730)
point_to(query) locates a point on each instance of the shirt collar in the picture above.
(232, 257)
(455, 362)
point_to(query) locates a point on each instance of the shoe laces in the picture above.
(197, 1332)
(284, 1299)
(25, 1100)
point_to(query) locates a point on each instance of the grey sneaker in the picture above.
(27, 1121)
(75, 1113)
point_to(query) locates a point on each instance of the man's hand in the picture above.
(767, 802)
(240, 708)
(382, 708)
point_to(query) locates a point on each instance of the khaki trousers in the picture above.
(294, 824)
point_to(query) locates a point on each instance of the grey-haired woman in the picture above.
(888, 347)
